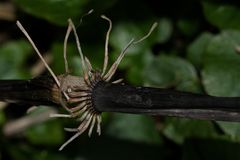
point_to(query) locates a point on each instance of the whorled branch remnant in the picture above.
(76, 93)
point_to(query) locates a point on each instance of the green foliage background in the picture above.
(194, 48)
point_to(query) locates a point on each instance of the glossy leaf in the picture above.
(124, 32)
(73, 58)
(58, 60)
(2, 117)
(170, 71)
(47, 133)
(136, 72)
(197, 49)
(205, 148)
(13, 55)
(134, 128)
(23, 152)
(178, 129)
(232, 129)
(188, 26)
(222, 16)
(221, 74)
(164, 30)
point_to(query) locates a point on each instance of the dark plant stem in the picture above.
(108, 97)
(155, 101)
(37, 91)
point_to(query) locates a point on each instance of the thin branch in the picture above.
(78, 46)
(19, 125)
(148, 34)
(39, 67)
(37, 51)
(65, 47)
(114, 67)
(105, 64)
(41, 57)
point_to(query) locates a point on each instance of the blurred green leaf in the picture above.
(223, 16)
(95, 53)
(23, 152)
(133, 127)
(73, 57)
(58, 60)
(135, 72)
(164, 30)
(13, 55)
(139, 55)
(221, 74)
(197, 49)
(232, 129)
(167, 71)
(46, 133)
(209, 149)
(20, 152)
(188, 26)
(124, 32)
(178, 129)
(55, 11)
(2, 117)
